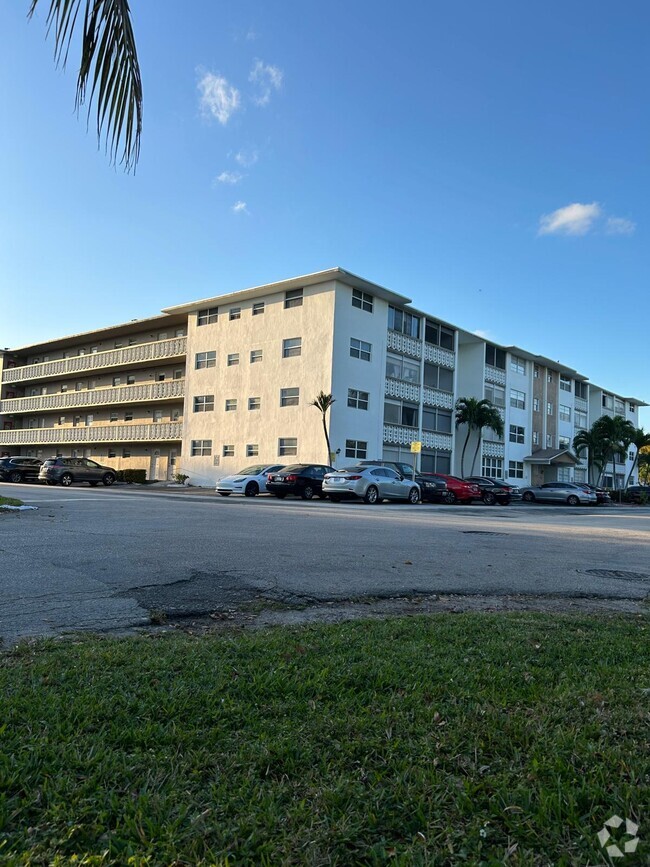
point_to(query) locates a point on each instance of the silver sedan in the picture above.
(558, 492)
(371, 484)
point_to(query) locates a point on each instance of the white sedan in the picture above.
(250, 482)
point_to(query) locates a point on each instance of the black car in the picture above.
(19, 469)
(495, 491)
(601, 494)
(433, 489)
(639, 494)
(302, 480)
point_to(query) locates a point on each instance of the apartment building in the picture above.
(210, 386)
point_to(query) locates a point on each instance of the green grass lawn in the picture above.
(443, 740)
(10, 501)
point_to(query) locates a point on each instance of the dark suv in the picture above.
(65, 471)
(19, 469)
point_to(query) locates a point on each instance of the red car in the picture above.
(459, 491)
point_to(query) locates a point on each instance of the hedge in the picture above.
(131, 476)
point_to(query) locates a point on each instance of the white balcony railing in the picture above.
(495, 375)
(443, 357)
(404, 344)
(493, 449)
(397, 435)
(581, 404)
(143, 393)
(441, 399)
(399, 388)
(114, 433)
(128, 355)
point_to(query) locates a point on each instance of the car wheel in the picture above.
(414, 496)
(573, 500)
(108, 479)
(451, 498)
(489, 498)
(252, 489)
(224, 493)
(66, 480)
(307, 492)
(15, 477)
(371, 496)
(528, 497)
(335, 498)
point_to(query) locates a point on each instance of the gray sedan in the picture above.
(559, 492)
(371, 484)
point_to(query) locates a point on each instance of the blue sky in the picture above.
(489, 160)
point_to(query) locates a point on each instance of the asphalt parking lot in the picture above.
(95, 558)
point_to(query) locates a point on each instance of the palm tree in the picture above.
(644, 465)
(616, 434)
(640, 440)
(469, 412)
(592, 442)
(323, 402)
(488, 417)
(109, 67)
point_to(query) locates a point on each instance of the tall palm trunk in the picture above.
(462, 456)
(478, 446)
(327, 440)
(629, 475)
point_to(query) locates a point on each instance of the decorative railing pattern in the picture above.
(433, 397)
(495, 375)
(403, 436)
(404, 344)
(443, 357)
(581, 404)
(139, 352)
(115, 433)
(493, 449)
(146, 391)
(437, 441)
(399, 388)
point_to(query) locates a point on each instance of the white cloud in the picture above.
(485, 335)
(619, 226)
(228, 178)
(218, 99)
(247, 158)
(574, 219)
(240, 208)
(267, 78)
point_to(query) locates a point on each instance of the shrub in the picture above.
(139, 477)
(180, 478)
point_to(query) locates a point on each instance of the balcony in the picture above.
(399, 388)
(146, 392)
(138, 354)
(495, 375)
(581, 404)
(398, 435)
(437, 355)
(441, 399)
(492, 449)
(406, 345)
(114, 433)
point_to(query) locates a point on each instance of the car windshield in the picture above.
(294, 468)
(252, 471)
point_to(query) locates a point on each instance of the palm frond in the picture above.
(109, 70)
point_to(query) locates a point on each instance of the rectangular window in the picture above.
(258, 308)
(61, 419)
(289, 396)
(94, 350)
(619, 407)
(204, 403)
(113, 416)
(496, 395)
(392, 412)
(631, 407)
(409, 415)
(231, 404)
(234, 313)
(205, 359)
(157, 416)
(207, 316)
(400, 368)
(256, 355)
(233, 359)
(608, 401)
(564, 442)
(291, 347)
(580, 475)
(117, 380)
(438, 377)
(118, 344)
(254, 402)
(549, 408)
(228, 451)
(201, 448)
(356, 449)
(495, 357)
(362, 300)
(128, 415)
(536, 372)
(564, 474)
(516, 469)
(80, 386)
(535, 437)
(160, 377)
(287, 446)
(535, 404)
(438, 335)
(438, 420)
(517, 399)
(565, 412)
(360, 349)
(358, 399)
(293, 298)
(406, 323)
(517, 364)
(581, 390)
(517, 434)
(178, 373)
(111, 452)
(565, 383)
(126, 453)
(550, 441)
(492, 468)
(549, 376)
(130, 380)
(432, 461)
(252, 450)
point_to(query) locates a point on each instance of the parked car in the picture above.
(65, 471)
(302, 480)
(370, 484)
(602, 496)
(458, 490)
(250, 481)
(495, 491)
(559, 492)
(433, 489)
(639, 493)
(19, 469)
(406, 470)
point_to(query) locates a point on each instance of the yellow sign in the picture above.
(416, 447)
